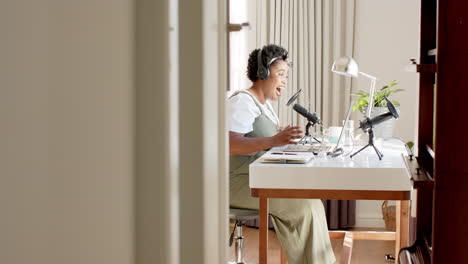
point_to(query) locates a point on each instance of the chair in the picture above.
(240, 216)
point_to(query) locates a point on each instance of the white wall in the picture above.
(66, 141)
(387, 36)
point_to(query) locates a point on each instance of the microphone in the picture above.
(380, 118)
(312, 117)
(374, 121)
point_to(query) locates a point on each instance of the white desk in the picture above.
(363, 177)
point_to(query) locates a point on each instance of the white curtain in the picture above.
(315, 33)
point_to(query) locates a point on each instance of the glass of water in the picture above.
(347, 140)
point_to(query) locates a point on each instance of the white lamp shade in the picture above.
(345, 66)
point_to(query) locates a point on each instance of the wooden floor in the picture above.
(364, 252)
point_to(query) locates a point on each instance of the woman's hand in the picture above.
(239, 144)
(286, 135)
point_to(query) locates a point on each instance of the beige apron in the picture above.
(300, 224)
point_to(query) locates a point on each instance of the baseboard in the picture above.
(370, 222)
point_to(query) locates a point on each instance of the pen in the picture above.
(283, 153)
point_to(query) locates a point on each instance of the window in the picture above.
(238, 53)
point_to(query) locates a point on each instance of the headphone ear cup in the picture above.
(262, 73)
(267, 73)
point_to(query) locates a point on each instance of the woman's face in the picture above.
(277, 81)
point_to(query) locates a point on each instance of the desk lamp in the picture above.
(348, 67)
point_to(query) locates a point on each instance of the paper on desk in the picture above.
(286, 157)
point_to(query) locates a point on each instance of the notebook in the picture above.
(286, 157)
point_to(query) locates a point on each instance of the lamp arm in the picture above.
(371, 92)
(345, 124)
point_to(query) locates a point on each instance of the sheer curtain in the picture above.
(315, 33)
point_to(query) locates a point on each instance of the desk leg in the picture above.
(347, 249)
(283, 258)
(263, 243)
(402, 226)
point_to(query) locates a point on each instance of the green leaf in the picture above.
(359, 93)
(410, 145)
(362, 96)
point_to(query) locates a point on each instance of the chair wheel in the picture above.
(389, 257)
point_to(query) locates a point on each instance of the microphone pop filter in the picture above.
(293, 98)
(392, 108)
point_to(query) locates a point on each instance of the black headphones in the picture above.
(262, 71)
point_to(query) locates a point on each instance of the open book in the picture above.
(286, 157)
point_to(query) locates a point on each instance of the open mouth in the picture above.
(278, 90)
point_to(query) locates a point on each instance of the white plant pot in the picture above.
(383, 130)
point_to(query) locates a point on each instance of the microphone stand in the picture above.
(370, 131)
(307, 135)
(369, 123)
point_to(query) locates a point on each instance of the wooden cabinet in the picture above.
(442, 181)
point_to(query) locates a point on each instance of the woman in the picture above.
(300, 224)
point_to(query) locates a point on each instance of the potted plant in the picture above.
(379, 106)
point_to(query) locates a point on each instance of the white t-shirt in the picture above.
(243, 111)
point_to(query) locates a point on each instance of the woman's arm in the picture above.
(239, 144)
